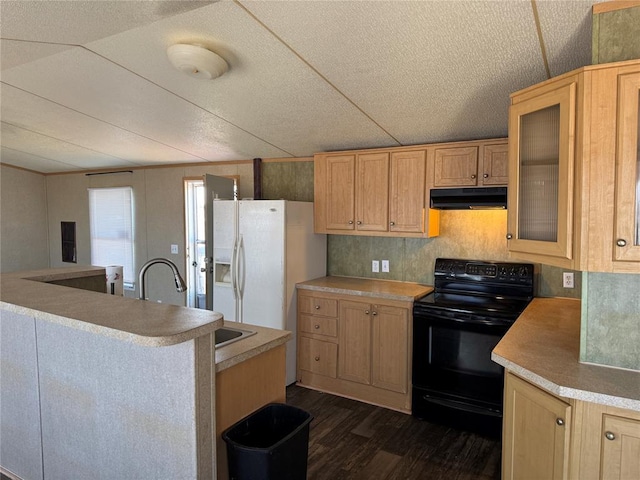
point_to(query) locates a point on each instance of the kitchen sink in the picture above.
(225, 335)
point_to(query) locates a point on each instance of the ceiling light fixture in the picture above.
(197, 61)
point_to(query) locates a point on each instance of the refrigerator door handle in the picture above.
(240, 267)
(234, 275)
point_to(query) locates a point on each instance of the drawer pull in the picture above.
(317, 359)
(610, 435)
(316, 326)
(317, 307)
(486, 175)
(366, 312)
(560, 421)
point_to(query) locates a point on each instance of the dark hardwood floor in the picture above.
(354, 440)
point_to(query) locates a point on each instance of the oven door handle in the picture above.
(462, 406)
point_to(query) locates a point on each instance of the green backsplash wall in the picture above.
(610, 325)
(477, 235)
(616, 35)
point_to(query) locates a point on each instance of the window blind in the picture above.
(111, 223)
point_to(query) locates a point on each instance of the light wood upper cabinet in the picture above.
(574, 170)
(495, 164)
(541, 186)
(536, 433)
(456, 166)
(627, 220)
(407, 192)
(474, 165)
(375, 193)
(372, 192)
(336, 178)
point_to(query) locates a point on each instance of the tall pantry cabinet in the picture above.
(574, 172)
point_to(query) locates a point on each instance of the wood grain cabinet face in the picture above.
(354, 348)
(540, 212)
(456, 167)
(620, 448)
(407, 192)
(390, 351)
(354, 338)
(384, 196)
(372, 192)
(318, 357)
(574, 170)
(536, 433)
(495, 165)
(627, 220)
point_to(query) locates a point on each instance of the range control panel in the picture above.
(502, 272)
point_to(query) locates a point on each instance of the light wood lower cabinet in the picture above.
(594, 442)
(536, 433)
(361, 351)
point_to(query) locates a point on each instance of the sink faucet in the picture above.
(180, 285)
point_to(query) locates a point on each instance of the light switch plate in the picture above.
(375, 266)
(174, 249)
(385, 266)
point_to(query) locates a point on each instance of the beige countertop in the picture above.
(543, 346)
(144, 323)
(265, 339)
(368, 287)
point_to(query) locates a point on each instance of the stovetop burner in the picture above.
(471, 287)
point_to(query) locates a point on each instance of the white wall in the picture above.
(158, 210)
(24, 241)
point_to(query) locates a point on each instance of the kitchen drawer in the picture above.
(318, 357)
(319, 325)
(327, 307)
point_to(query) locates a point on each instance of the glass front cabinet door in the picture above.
(627, 215)
(541, 133)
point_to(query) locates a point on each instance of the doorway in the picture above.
(195, 242)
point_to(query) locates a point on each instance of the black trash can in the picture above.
(270, 444)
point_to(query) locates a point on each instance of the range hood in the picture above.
(469, 198)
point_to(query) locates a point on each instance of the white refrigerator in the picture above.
(261, 249)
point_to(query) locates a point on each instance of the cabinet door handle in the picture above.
(317, 307)
(316, 326)
(366, 312)
(486, 175)
(560, 421)
(359, 222)
(509, 236)
(350, 222)
(317, 359)
(374, 313)
(473, 176)
(610, 435)
(621, 242)
(392, 223)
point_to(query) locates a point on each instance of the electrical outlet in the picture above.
(385, 266)
(174, 249)
(375, 266)
(567, 279)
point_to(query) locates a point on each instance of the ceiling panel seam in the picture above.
(101, 120)
(157, 85)
(39, 156)
(315, 70)
(67, 142)
(543, 49)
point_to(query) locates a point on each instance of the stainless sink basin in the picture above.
(226, 335)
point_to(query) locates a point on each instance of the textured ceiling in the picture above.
(87, 84)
